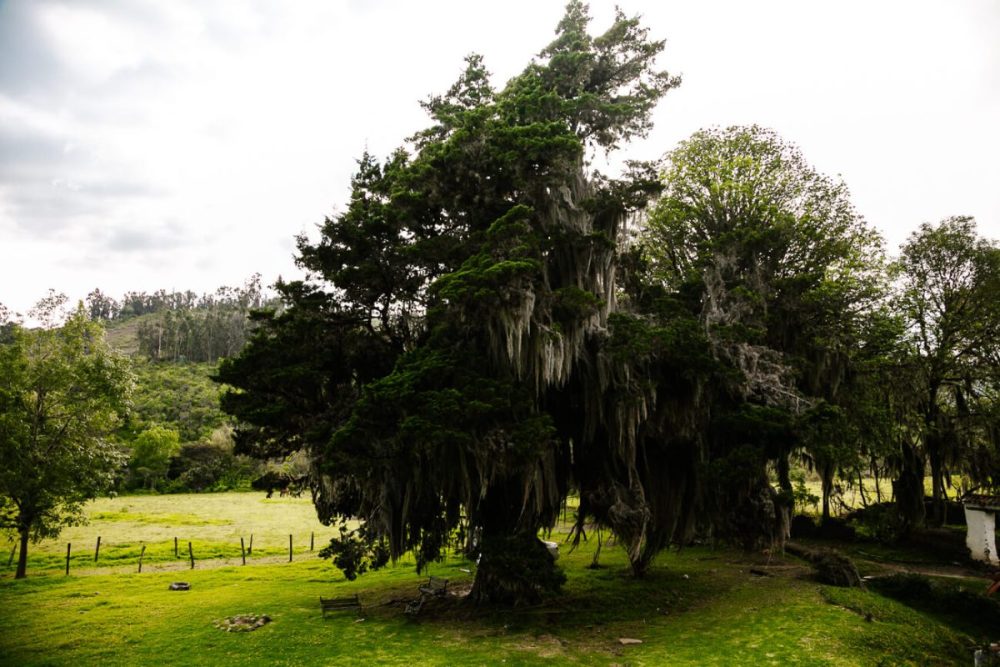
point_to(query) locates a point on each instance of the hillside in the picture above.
(123, 335)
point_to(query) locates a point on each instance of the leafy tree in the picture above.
(101, 306)
(783, 274)
(948, 295)
(177, 396)
(459, 295)
(62, 394)
(151, 452)
(211, 465)
(188, 329)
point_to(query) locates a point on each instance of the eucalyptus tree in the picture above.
(784, 274)
(437, 364)
(949, 289)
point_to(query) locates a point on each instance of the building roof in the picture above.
(982, 501)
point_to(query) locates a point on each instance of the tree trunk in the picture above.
(514, 570)
(22, 557)
(937, 485)
(514, 566)
(878, 482)
(827, 483)
(908, 488)
(934, 446)
(786, 500)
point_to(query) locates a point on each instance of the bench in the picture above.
(435, 586)
(340, 604)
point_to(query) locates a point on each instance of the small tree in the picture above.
(151, 452)
(62, 392)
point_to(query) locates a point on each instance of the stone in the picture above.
(626, 641)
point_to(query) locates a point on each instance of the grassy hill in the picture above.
(123, 335)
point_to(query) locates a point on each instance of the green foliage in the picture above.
(211, 465)
(786, 280)
(215, 326)
(151, 452)
(354, 553)
(461, 290)
(62, 394)
(802, 497)
(177, 396)
(948, 297)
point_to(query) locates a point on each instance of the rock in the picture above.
(837, 569)
(180, 586)
(626, 641)
(242, 623)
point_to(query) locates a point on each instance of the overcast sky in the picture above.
(183, 145)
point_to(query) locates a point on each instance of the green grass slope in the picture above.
(697, 607)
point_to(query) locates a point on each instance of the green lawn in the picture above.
(212, 522)
(697, 607)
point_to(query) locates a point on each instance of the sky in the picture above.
(183, 144)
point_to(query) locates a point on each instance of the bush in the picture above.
(211, 466)
(881, 523)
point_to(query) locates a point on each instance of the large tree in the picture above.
(62, 394)
(784, 276)
(433, 366)
(949, 287)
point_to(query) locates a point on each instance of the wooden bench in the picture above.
(340, 604)
(435, 587)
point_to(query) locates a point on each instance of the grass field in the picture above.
(212, 522)
(698, 607)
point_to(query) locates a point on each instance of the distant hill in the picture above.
(123, 335)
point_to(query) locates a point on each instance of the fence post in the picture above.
(250, 549)
(243, 551)
(289, 548)
(68, 545)
(176, 555)
(191, 553)
(312, 540)
(97, 549)
(13, 550)
(141, 554)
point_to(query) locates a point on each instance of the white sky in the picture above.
(182, 144)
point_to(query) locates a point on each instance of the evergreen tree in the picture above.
(462, 298)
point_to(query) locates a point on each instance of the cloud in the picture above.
(27, 57)
(142, 238)
(169, 144)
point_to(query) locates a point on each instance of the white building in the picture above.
(980, 515)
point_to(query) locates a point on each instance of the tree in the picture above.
(948, 295)
(151, 452)
(456, 300)
(62, 393)
(783, 274)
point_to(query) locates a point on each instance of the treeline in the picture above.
(176, 439)
(184, 326)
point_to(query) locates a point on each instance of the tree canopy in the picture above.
(464, 291)
(948, 295)
(483, 332)
(62, 394)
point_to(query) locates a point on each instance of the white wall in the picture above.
(981, 538)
